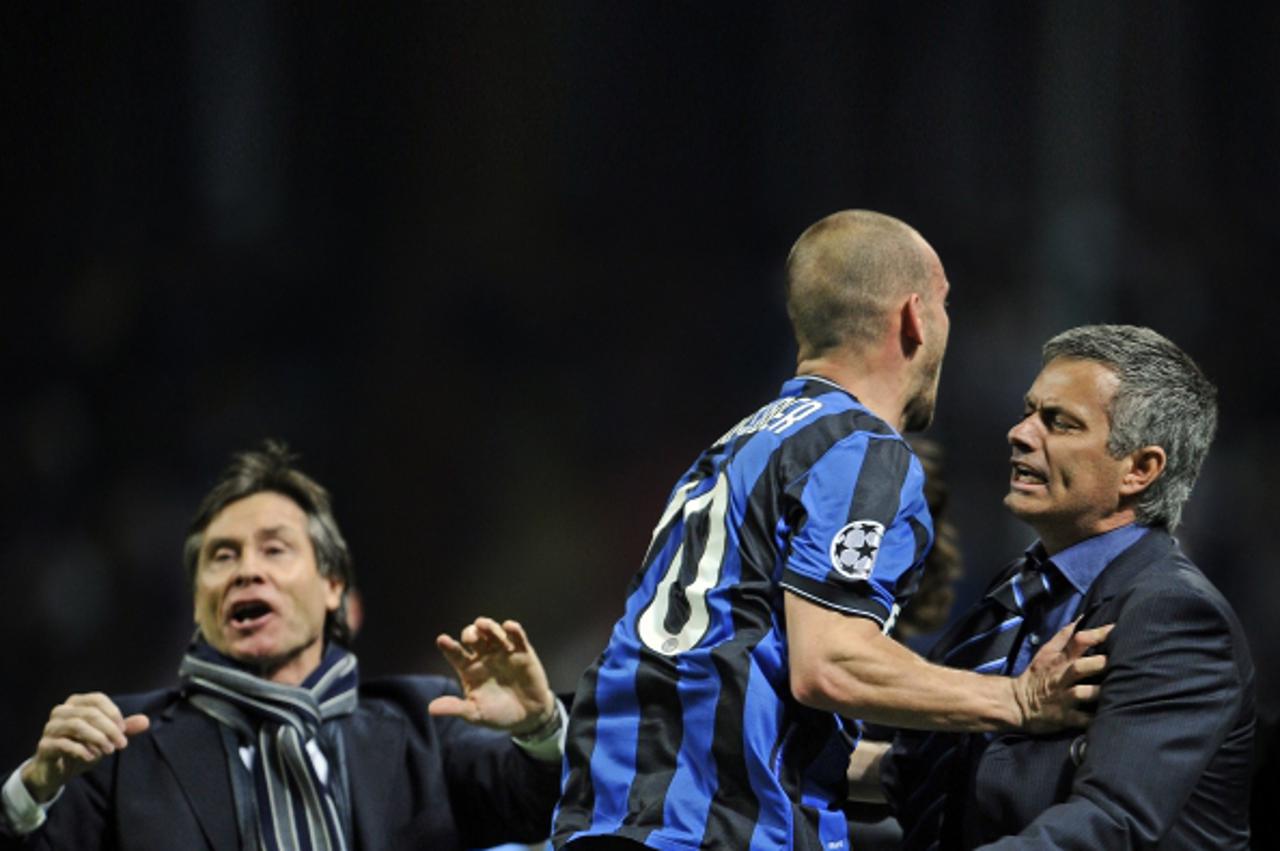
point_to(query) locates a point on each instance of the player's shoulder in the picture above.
(848, 425)
(878, 448)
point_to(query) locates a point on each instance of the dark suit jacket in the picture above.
(415, 782)
(1165, 763)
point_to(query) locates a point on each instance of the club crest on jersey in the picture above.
(854, 548)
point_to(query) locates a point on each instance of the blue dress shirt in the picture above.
(1078, 565)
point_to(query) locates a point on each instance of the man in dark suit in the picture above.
(1112, 436)
(270, 741)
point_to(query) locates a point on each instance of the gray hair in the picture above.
(271, 469)
(1163, 399)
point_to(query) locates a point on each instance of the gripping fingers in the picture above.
(1080, 669)
(1087, 666)
(1058, 643)
(1077, 718)
(1085, 694)
(1087, 638)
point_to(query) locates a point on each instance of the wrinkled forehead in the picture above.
(256, 514)
(1075, 383)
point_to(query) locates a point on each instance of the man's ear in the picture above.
(912, 318)
(334, 589)
(1145, 466)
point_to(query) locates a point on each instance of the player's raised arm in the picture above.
(848, 665)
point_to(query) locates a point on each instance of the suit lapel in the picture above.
(191, 745)
(370, 745)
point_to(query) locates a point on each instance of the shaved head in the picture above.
(845, 273)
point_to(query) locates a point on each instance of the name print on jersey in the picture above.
(777, 417)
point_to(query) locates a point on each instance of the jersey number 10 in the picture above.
(676, 619)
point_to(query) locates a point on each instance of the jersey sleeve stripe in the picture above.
(849, 601)
(878, 492)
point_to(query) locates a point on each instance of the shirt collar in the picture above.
(1082, 562)
(798, 381)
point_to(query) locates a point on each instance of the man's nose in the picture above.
(1022, 434)
(248, 570)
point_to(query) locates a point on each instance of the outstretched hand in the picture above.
(1049, 692)
(81, 732)
(504, 685)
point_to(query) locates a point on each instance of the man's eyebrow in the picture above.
(266, 533)
(1049, 408)
(1059, 409)
(281, 531)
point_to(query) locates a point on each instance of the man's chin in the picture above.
(271, 662)
(917, 414)
(1023, 506)
(258, 656)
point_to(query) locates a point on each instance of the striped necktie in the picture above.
(992, 629)
(1002, 614)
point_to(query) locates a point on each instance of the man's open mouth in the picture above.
(1028, 475)
(244, 614)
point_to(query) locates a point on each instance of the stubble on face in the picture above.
(917, 414)
(922, 399)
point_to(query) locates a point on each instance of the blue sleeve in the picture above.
(864, 528)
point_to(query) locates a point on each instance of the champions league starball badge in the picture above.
(854, 548)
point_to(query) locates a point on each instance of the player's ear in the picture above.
(911, 322)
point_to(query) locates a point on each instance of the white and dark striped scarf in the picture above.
(295, 809)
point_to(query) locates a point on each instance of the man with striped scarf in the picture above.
(270, 740)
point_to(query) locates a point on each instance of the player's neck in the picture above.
(882, 390)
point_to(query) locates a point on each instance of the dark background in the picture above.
(500, 272)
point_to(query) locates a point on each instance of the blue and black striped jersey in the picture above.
(684, 733)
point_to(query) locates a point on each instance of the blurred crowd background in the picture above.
(499, 271)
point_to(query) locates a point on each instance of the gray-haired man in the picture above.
(1112, 436)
